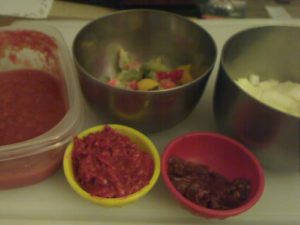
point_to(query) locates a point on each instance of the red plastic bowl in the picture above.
(221, 154)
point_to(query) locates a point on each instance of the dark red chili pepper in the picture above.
(207, 188)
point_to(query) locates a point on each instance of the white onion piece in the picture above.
(284, 96)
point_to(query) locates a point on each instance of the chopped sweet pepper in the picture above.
(152, 75)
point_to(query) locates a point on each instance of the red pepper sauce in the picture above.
(31, 103)
(109, 165)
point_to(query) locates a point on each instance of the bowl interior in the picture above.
(145, 34)
(220, 154)
(272, 52)
(141, 140)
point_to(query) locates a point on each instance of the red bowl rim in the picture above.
(201, 209)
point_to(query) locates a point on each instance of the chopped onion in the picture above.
(284, 96)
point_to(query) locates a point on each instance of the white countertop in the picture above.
(53, 202)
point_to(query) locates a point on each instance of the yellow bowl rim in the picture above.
(112, 202)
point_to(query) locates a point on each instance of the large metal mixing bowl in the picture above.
(273, 52)
(145, 34)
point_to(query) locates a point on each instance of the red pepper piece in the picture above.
(176, 75)
(133, 85)
(167, 83)
(112, 82)
(162, 75)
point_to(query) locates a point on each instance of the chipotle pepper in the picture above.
(205, 187)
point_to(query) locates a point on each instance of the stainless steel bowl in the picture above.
(145, 34)
(271, 52)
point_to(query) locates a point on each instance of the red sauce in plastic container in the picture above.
(109, 165)
(38, 95)
(31, 169)
(31, 103)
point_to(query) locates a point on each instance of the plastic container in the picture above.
(27, 162)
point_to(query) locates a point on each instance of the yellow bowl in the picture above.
(137, 137)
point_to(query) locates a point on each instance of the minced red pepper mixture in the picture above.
(108, 164)
(207, 188)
